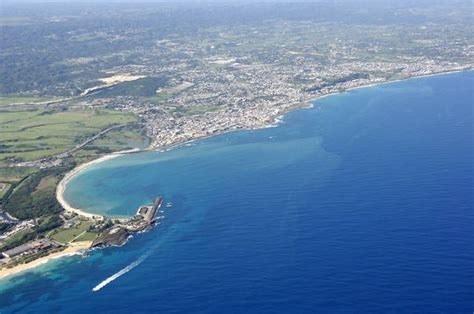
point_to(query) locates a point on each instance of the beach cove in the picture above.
(62, 185)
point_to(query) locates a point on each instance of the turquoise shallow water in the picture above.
(362, 204)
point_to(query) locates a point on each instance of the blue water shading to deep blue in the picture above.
(362, 204)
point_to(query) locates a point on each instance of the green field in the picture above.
(66, 235)
(12, 175)
(144, 87)
(156, 99)
(88, 236)
(46, 184)
(115, 140)
(4, 187)
(120, 138)
(13, 100)
(192, 110)
(30, 135)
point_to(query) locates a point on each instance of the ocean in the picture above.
(362, 204)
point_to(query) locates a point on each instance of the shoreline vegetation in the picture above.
(78, 247)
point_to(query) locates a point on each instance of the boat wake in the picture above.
(121, 272)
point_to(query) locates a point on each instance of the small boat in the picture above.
(169, 204)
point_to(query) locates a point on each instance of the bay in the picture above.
(363, 203)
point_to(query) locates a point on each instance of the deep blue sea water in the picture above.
(363, 204)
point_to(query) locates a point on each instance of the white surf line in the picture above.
(121, 272)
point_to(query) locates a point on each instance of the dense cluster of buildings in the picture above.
(257, 96)
(246, 77)
(241, 79)
(17, 228)
(33, 247)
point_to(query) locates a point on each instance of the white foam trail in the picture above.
(126, 269)
(121, 272)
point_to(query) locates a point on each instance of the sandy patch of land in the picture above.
(120, 78)
(111, 81)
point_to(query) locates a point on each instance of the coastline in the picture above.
(74, 248)
(308, 104)
(62, 184)
(412, 78)
(389, 82)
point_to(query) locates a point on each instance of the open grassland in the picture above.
(86, 236)
(11, 175)
(46, 184)
(120, 138)
(192, 110)
(15, 100)
(143, 87)
(29, 135)
(4, 187)
(156, 99)
(115, 140)
(66, 235)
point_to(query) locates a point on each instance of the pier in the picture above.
(148, 212)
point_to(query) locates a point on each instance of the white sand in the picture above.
(62, 185)
(73, 249)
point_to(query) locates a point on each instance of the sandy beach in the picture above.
(74, 248)
(62, 185)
